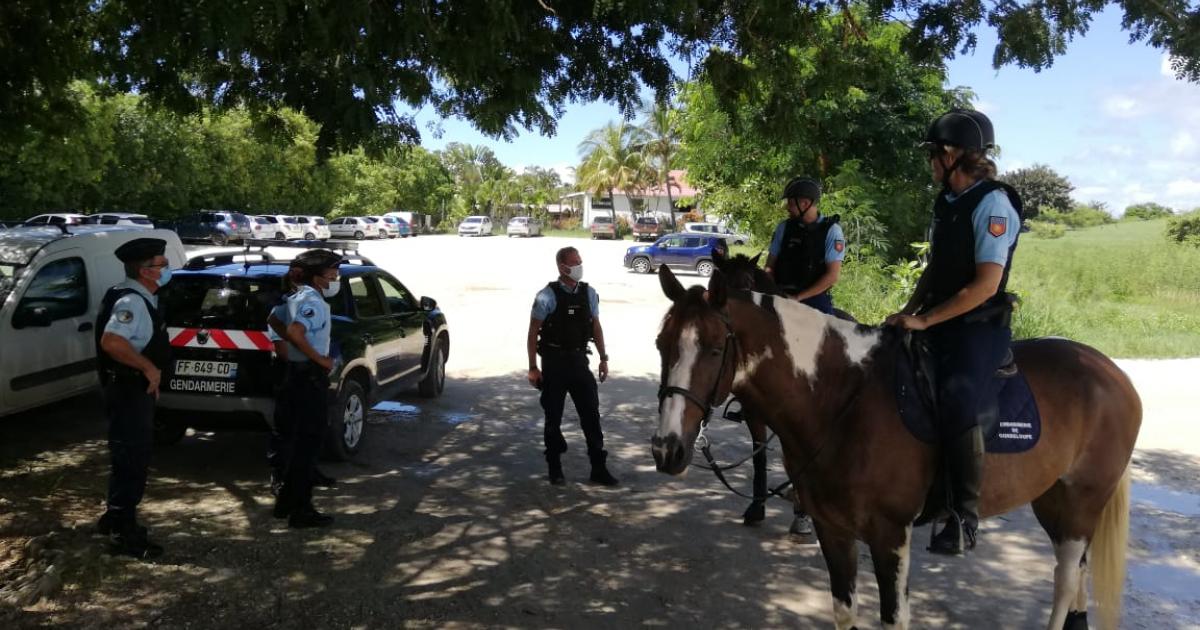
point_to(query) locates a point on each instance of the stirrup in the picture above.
(964, 537)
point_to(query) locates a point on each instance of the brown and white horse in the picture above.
(825, 387)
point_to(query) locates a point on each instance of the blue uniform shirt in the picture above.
(545, 303)
(307, 308)
(996, 225)
(130, 318)
(835, 242)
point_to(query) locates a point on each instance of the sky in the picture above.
(1108, 114)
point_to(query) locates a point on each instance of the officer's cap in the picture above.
(317, 259)
(140, 249)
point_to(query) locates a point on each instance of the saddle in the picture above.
(1010, 420)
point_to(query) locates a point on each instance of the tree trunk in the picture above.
(670, 204)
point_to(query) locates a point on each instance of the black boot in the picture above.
(321, 480)
(308, 516)
(600, 472)
(556, 472)
(964, 459)
(131, 539)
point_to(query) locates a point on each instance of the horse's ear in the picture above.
(719, 259)
(718, 291)
(754, 261)
(670, 284)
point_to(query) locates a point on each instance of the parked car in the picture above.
(64, 218)
(353, 227)
(475, 226)
(524, 226)
(730, 236)
(391, 227)
(384, 341)
(285, 228)
(603, 227)
(315, 228)
(51, 285)
(681, 251)
(216, 227)
(402, 227)
(261, 229)
(415, 220)
(128, 219)
(647, 229)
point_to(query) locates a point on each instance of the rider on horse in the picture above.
(806, 252)
(961, 301)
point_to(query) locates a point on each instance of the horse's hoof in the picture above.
(754, 514)
(1076, 620)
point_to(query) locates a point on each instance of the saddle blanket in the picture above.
(1011, 421)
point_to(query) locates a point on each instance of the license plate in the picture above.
(211, 369)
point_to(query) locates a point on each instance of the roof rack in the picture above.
(348, 249)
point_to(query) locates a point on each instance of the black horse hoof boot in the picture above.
(754, 514)
(1076, 620)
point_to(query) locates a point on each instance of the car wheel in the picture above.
(280, 237)
(435, 378)
(349, 421)
(168, 429)
(641, 264)
(704, 268)
(219, 239)
(358, 235)
(739, 242)
(310, 237)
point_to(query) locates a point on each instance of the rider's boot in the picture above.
(964, 458)
(556, 472)
(600, 472)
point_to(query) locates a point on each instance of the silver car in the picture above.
(315, 228)
(524, 226)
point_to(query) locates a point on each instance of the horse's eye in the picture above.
(716, 352)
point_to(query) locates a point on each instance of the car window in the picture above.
(57, 220)
(692, 242)
(366, 297)
(290, 220)
(60, 288)
(398, 298)
(239, 217)
(301, 220)
(319, 221)
(370, 220)
(140, 220)
(204, 301)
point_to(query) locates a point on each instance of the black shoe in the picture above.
(309, 517)
(110, 524)
(556, 471)
(600, 472)
(133, 542)
(282, 509)
(955, 539)
(321, 480)
(276, 483)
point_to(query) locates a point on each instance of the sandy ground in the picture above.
(445, 520)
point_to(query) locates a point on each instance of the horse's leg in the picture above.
(756, 512)
(841, 558)
(1053, 510)
(1077, 617)
(890, 555)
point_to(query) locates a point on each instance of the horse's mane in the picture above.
(743, 272)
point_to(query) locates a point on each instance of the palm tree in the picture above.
(611, 161)
(660, 130)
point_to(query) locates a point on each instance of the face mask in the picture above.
(575, 273)
(332, 289)
(164, 276)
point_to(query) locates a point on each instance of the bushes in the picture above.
(1042, 229)
(1081, 216)
(1185, 229)
(623, 227)
(1147, 211)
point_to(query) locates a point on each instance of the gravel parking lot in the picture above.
(446, 519)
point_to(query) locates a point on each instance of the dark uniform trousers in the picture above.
(967, 355)
(568, 373)
(307, 392)
(822, 302)
(281, 440)
(130, 412)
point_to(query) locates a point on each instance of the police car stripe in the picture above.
(221, 339)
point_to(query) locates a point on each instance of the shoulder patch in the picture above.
(997, 226)
(124, 316)
(308, 312)
(839, 245)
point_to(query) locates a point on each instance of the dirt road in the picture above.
(446, 519)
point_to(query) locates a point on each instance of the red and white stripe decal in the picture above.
(222, 339)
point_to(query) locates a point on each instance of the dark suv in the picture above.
(384, 341)
(216, 227)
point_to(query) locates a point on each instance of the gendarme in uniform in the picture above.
(130, 311)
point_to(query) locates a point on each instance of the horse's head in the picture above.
(743, 273)
(698, 351)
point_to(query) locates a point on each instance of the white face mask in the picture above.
(332, 289)
(576, 272)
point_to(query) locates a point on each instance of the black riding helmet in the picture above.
(962, 128)
(802, 188)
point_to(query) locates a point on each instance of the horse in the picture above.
(825, 387)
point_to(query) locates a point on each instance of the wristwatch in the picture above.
(603, 357)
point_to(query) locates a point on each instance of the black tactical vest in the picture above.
(952, 246)
(157, 350)
(569, 327)
(801, 259)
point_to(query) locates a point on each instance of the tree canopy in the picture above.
(355, 66)
(1041, 189)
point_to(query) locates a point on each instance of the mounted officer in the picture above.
(806, 252)
(564, 320)
(132, 349)
(961, 300)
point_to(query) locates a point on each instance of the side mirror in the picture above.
(428, 303)
(37, 317)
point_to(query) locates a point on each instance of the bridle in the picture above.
(706, 405)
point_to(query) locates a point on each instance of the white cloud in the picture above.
(1184, 188)
(987, 107)
(1165, 68)
(1122, 106)
(1184, 145)
(1090, 193)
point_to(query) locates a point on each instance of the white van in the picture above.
(51, 284)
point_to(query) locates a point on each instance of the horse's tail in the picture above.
(1108, 554)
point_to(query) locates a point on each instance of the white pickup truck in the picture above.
(51, 283)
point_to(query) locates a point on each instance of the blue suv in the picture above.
(693, 252)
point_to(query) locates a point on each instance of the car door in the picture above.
(49, 349)
(406, 312)
(669, 251)
(379, 332)
(694, 248)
